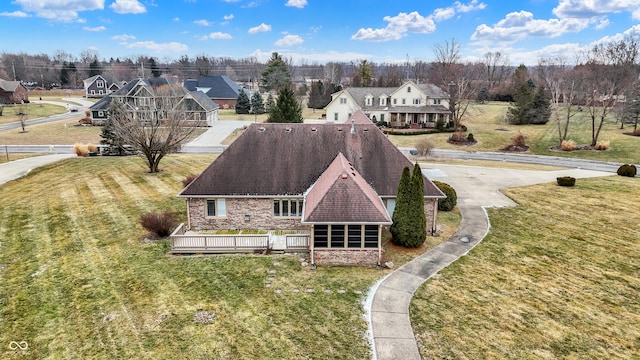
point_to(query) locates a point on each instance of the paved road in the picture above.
(15, 169)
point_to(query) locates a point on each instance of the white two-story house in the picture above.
(410, 105)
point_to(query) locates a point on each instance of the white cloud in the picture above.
(472, 6)
(18, 14)
(176, 19)
(61, 10)
(443, 14)
(289, 40)
(260, 28)
(94, 29)
(127, 7)
(519, 25)
(324, 57)
(296, 3)
(202, 22)
(169, 47)
(397, 28)
(603, 24)
(123, 37)
(217, 36)
(228, 17)
(595, 8)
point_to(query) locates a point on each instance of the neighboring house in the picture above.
(410, 105)
(220, 89)
(141, 95)
(335, 182)
(99, 86)
(12, 92)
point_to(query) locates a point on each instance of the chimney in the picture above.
(353, 126)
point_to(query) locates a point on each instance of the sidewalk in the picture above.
(15, 169)
(477, 189)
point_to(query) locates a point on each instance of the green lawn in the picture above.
(487, 123)
(556, 278)
(10, 112)
(77, 279)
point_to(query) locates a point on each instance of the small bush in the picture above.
(457, 136)
(159, 224)
(566, 181)
(92, 148)
(602, 145)
(424, 147)
(470, 138)
(519, 140)
(452, 197)
(627, 170)
(568, 145)
(80, 150)
(188, 180)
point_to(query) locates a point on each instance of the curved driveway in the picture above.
(387, 306)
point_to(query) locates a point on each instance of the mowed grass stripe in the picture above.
(556, 277)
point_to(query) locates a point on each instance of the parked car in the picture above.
(73, 108)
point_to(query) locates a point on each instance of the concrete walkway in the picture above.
(477, 188)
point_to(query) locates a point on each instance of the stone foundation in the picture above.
(363, 257)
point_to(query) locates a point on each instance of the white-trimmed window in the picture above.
(93, 92)
(369, 101)
(343, 100)
(216, 208)
(100, 83)
(404, 101)
(335, 116)
(340, 236)
(287, 207)
(383, 101)
(416, 101)
(436, 101)
(408, 89)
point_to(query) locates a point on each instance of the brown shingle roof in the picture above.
(286, 159)
(341, 195)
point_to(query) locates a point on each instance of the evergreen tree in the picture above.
(540, 107)
(110, 138)
(287, 109)
(155, 70)
(483, 95)
(270, 104)
(418, 217)
(257, 106)
(401, 211)
(275, 75)
(520, 110)
(94, 68)
(315, 96)
(243, 105)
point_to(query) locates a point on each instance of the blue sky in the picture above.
(314, 30)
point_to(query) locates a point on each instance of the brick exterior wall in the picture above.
(430, 208)
(225, 103)
(260, 211)
(364, 257)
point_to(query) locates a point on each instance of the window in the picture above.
(383, 101)
(404, 101)
(416, 101)
(382, 117)
(287, 207)
(371, 236)
(335, 116)
(395, 101)
(343, 100)
(321, 236)
(100, 83)
(99, 92)
(369, 101)
(216, 208)
(436, 101)
(408, 89)
(93, 92)
(337, 236)
(354, 239)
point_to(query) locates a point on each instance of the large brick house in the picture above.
(409, 105)
(336, 182)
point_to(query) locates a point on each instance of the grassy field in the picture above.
(10, 113)
(556, 278)
(487, 123)
(78, 280)
(63, 132)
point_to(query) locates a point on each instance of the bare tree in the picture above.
(497, 68)
(154, 130)
(563, 87)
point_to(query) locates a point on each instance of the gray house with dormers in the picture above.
(410, 105)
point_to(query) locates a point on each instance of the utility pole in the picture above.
(13, 66)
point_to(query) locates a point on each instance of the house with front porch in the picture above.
(333, 184)
(410, 105)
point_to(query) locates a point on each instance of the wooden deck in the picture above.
(190, 242)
